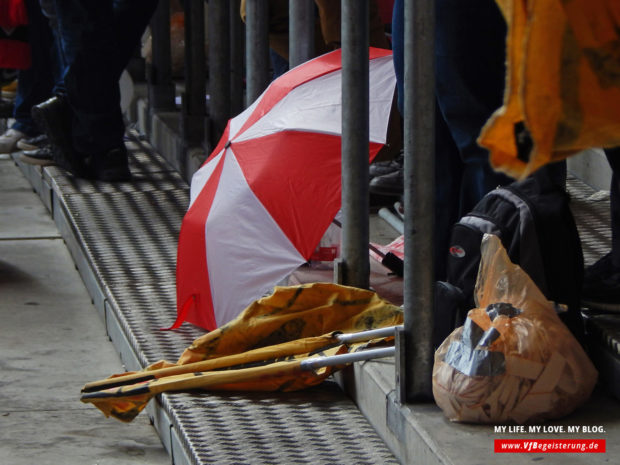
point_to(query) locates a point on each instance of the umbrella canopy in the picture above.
(263, 199)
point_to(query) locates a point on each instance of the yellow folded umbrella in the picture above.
(267, 348)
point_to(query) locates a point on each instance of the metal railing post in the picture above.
(194, 106)
(419, 177)
(159, 72)
(354, 265)
(219, 67)
(237, 45)
(257, 49)
(301, 31)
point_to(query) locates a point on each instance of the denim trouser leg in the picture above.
(470, 74)
(469, 79)
(34, 84)
(613, 156)
(59, 63)
(98, 39)
(398, 50)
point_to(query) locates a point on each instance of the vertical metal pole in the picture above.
(194, 106)
(219, 67)
(257, 49)
(301, 31)
(237, 36)
(419, 174)
(159, 72)
(355, 231)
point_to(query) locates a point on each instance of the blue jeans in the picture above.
(34, 84)
(469, 85)
(98, 38)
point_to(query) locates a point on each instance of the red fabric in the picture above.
(14, 54)
(385, 10)
(13, 13)
(289, 195)
(193, 286)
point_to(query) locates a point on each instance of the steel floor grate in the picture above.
(127, 234)
(313, 426)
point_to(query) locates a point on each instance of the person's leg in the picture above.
(131, 17)
(98, 39)
(34, 84)
(470, 73)
(448, 180)
(59, 63)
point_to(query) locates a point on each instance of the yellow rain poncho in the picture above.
(261, 350)
(562, 83)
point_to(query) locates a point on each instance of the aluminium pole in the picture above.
(194, 105)
(256, 49)
(237, 44)
(301, 32)
(219, 67)
(354, 266)
(419, 178)
(159, 72)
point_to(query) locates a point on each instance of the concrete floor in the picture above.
(52, 341)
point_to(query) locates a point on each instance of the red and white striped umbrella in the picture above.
(264, 198)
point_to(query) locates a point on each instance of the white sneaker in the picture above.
(8, 140)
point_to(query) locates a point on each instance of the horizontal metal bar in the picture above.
(367, 335)
(334, 360)
(392, 219)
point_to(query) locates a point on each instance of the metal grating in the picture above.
(129, 237)
(592, 215)
(128, 233)
(315, 426)
(143, 309)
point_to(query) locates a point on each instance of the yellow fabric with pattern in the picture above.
(261, 350)
(562, 83)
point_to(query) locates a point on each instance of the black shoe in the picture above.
(41, 157)
(601, 285)
(382, 168)
(389, 184)
(32, 143)
(54, 117)
(112, 166)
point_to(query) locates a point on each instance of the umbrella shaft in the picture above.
(367, 335)
(320, 362)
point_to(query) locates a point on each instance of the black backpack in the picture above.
(536, 226)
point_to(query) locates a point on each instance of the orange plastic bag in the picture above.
(562, 83)
(513, 360)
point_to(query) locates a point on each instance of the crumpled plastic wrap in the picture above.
(513, 360)
(562, 83)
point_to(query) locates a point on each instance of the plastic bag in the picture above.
(513, 360)
(562, 83)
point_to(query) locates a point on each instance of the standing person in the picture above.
(601, 288)
(34, 80)
(85, 126)
(469, 86)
